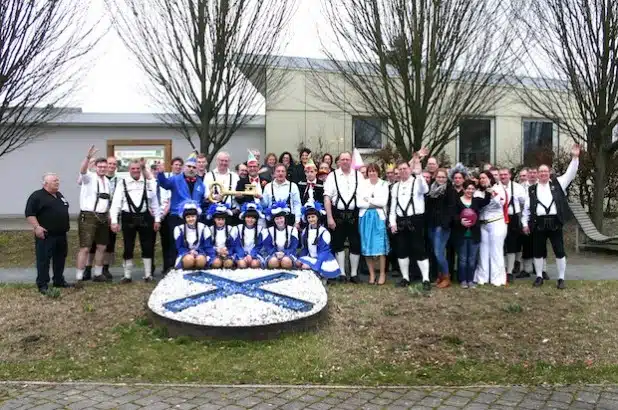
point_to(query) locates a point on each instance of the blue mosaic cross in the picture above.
(227, 287)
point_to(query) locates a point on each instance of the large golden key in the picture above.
(249, 190)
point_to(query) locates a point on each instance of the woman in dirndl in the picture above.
(372, 198)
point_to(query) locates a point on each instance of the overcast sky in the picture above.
(113, 84)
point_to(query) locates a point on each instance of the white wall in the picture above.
(61, 150)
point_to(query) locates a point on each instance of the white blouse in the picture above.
(372, 196)
(495, 208)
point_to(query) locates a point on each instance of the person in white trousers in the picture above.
(490, 268)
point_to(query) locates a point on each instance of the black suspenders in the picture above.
(411, 202)
(352, 198)
(287, 201)
(132, 208)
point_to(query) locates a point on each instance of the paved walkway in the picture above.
(591, 267)
(157, 397)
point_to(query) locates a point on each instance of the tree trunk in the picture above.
(600, 180)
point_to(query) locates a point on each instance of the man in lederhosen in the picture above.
(135, 201)
(108, 257)
(280, 189)
(545, 213)
(342, 213)
(516, 198)
(391, 178)
(93, 223)
(163, 198)
(228, 180)
(526, 253)
(407, 221)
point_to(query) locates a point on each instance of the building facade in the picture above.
(298, 116)
(65, 142)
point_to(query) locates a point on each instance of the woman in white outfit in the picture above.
(490, 267)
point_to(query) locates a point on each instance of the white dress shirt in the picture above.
(544, 195)
(228, 181)
(348, 184)
(163, 198)
(414, 188)
(274, 191)
(517, 197)
(495, 208)
(135, 190)
(372, 196)
(91, 185)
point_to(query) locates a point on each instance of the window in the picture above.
(368, 133)
(538, 141)
(474, 141)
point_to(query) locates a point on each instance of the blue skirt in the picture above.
(374, 239)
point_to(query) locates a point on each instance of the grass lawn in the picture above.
(17, 250)
(373, 335)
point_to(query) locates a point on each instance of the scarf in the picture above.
(437, 190)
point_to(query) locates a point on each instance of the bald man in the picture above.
(47, 211)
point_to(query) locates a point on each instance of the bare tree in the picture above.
(571, 58)
(203, 58)
(42, 48)
(420, 65)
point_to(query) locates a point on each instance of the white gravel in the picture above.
(238, 310)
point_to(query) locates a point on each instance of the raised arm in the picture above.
(84, 167)
(571, 172)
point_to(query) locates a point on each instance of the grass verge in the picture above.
(373, 335)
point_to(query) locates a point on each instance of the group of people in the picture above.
(282, 214)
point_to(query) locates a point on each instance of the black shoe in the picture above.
(64, 284)
(403, 283)
(88, 273)
(510, 278)
(538, 282)
(124, 281)
(107, 274)
(545, 276)
(99, 279)
(517, 267)
(342, 279)
(43, 290)
(426, 286)
(522, 274)
(148, 279)
(561, 284)
(355, 279)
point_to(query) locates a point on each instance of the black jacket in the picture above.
(458, 231)
(440, 211)
(241, 187)
(318, 192)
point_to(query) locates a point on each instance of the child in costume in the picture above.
(249, 243)
(193, 240)
(224, 236)
(316, 254)
(280, 240)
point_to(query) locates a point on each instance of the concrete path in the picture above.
(592, 267)
(158, 397)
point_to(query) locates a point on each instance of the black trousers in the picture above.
(50, 251)
(409, 241)
(512, 243)
(172, 222)
(132, 225)
(539, 242)
(347, 228)
(167, 244)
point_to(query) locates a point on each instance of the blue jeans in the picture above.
(467, 257)
(439, 237)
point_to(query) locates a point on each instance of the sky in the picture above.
(114, 83)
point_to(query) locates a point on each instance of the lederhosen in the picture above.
(111, 244)
(547, 226)
(94, 222)
(512, 243)
(410, 237)
(291, 218)
(137, 220)
(347, 222)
